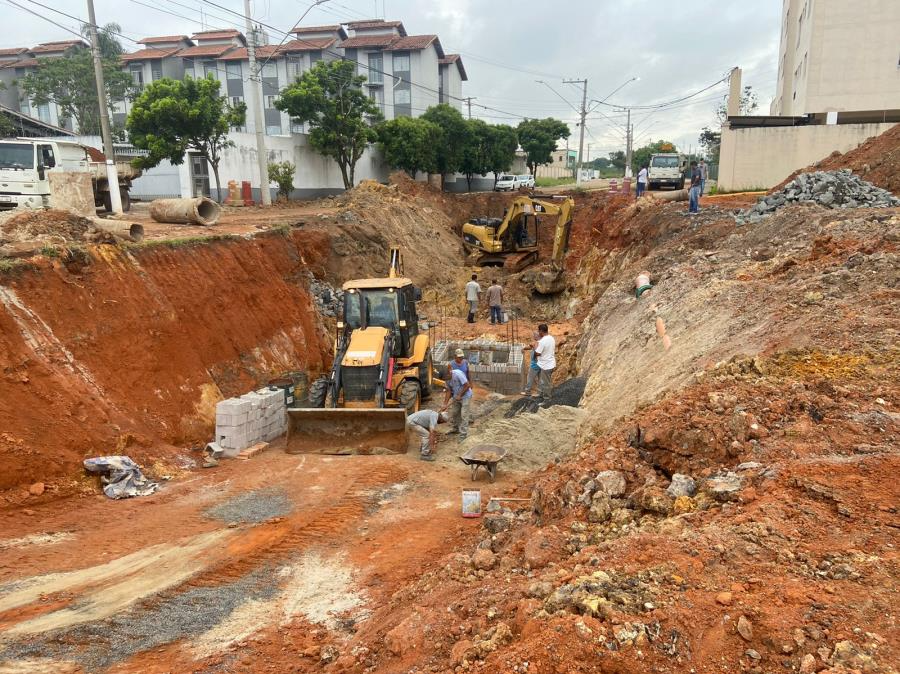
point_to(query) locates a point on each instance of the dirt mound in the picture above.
(876, 160)
(51, 226)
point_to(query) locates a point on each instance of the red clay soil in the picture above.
(109, 351)
(876, 160)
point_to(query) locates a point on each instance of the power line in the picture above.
(58, 25)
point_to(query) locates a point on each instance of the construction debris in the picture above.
(121, 477)
(831, 189)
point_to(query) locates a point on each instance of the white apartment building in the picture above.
(838, 56)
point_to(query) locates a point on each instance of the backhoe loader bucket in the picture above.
(346, 430)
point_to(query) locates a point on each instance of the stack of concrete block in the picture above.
(259, 416)
(499, 366)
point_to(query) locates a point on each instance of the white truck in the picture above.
(666, 170)
(25, 163)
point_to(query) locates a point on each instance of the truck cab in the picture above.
(666, 170)
(26, 162)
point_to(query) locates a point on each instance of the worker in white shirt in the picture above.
(641, 181)
(546, 360)
(473, 291)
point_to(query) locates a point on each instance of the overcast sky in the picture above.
(675, 48)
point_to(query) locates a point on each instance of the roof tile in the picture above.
(362, 41)
(15, 51)
(216, 34)
(212, 50)
(375, 24)
(164, 38)
(60, 46)
(150, 53)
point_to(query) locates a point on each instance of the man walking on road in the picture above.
(704, 173)
(473, 290)
(424, 423)
(458, 398)
(546, 360)
(641, 182)
(694, 194)
(495, 302)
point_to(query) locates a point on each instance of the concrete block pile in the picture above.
(831, 189)
(258, 416)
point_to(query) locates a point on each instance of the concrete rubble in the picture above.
(831, 189)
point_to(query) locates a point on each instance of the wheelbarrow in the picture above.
(483, 456)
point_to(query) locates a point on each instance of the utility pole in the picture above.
(629, 139)
(262, 156)
(583, 114)
(469, 101)
(112, 178)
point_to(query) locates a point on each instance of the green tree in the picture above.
(617, 159)
(68, 81)
(641, 156)
(172, 117)
(454, 136)
(409, 144)
(538, 139)
(107, 36)
(282, 174)
(329, 97)
(502, 144)
(476, 151)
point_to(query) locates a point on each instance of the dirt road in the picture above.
(225, 567)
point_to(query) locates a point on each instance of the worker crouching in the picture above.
(424, 423)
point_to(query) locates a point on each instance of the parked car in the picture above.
(506, 183)
(526, 180)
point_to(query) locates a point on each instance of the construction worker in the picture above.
(495, 302)
(546, 360)
(473, 291)
(704, 174)
(534, 370)
(458, 397)
(424, 423)
(694, 193)
(459, 362)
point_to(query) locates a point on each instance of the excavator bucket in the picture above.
(346, 430)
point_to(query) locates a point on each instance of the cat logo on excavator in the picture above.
(382, 370)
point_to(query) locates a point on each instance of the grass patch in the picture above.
(553, 182)
(50, 251)
(12, 265)
(183, 242)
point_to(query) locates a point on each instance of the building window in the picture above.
(137, 76)
(270, 102)
(269, 71)
(156, 70)
(296, 126)
(295, 67)
(401, 63)
(273, 130)
(233, 70)
(189, 69)
(377, 95)
(376, 68)
(401, 96)
(236, 101)
(43, 110)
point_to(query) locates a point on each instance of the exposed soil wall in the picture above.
(125, 349)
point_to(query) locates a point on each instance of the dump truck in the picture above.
(666, 169)
(382, 370)
(512, 241)
(25, 163)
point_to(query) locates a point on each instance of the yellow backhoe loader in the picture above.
(513, 240)
(382, 370)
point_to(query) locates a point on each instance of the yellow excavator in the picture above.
(512, 241)
(382, 370)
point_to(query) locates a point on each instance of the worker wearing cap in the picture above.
(424, 423)
(459, 396)
(459, 362)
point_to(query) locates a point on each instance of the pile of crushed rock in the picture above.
(328, 299)
(831, 189)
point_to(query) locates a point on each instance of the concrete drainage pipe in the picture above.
(198, 211)
(128, 231)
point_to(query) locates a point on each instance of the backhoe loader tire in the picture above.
(425, 370)
(410, 395)
(318, 392)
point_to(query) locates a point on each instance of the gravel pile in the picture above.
(253, 507)
(328, 299)
(567, 394)
(831, 189)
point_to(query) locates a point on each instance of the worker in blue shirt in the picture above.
(458, 398)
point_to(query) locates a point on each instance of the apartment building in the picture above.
(838, 56)
(159, 58)
(405, 74)
(15, 63)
